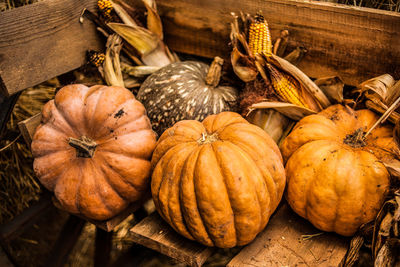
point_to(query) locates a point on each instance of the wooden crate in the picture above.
(354, 43)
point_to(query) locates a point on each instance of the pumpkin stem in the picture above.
(84, 146)
(356, 139)
(207, 138)
(214, 72)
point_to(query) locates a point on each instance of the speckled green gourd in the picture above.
(185, 91)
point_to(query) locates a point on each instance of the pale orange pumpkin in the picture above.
(336, 178)
(219, 181)
(93, 149)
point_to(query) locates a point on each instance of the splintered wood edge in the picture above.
(152, 232)
(28, 127)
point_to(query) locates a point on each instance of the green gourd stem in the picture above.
(85, 147)
(214, 72)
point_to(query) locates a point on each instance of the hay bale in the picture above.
(18, 185)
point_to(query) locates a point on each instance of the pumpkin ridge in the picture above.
(243, 156)
(121, 176)
(215, 150)
(200, 215)
(136, 154)
(197, 227)
(268, 191)
(164, 188)
(90, 93)
(184, 151)
(106, 177)
(101, 175)
(276, 197)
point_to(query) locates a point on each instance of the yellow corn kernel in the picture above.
(105, 7)
(286, 87)
(96, 58)
(259, 37)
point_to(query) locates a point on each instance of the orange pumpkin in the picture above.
(336, 178)
(219, 181)
(93, 149)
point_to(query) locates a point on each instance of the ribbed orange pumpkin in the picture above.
(217, 182)
(93, 149)
(335, 177)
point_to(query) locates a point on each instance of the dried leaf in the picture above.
(158, 57)
(396, 133)
(143, 40)
(393, 93)
(393, 167)
(378, 85)
(289, 110)
(271, 121)
(124, 16)
(296, 55)
(306, 82)
(332, 87)
(281, 43)
(153, 19)
(111, 64)
(246, 73)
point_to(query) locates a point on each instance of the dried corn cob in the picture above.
(259, 37)
(105, 8)
(286, 86)
(96, 58)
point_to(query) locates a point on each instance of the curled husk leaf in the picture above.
(376, 86)
(138, 71)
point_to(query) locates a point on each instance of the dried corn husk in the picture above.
(289, 110)
(378, 86)
(124, 16)
(296, 55)
(332, 88)
(311, 88)
(386, 237)
(247, 66)
(271, 121)
(153, 19)
(111, 64)
(138, 71)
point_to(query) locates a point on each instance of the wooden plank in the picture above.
(43, 40)
(15, 227)
(66, 241)
(281, 244)
(28, 127)
(154, 233)
(354, 43)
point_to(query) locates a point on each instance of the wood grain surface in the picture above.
(354, 43)
(43, 40)
(154, 233)
(284, 243)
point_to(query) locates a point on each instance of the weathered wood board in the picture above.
(280, 244)
(154, 233)
(354, 43)
(43, 40)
